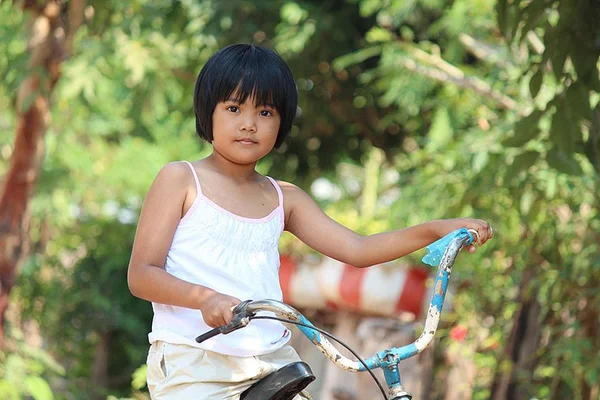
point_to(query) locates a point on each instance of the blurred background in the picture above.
(410, 110)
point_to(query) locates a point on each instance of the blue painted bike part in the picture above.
(436, 250)
(441, 253)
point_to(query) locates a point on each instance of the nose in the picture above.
(248, 124)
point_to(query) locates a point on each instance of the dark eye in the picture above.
(233, 108)
(266, 113)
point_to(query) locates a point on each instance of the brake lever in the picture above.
(242, 309)
(241, 318)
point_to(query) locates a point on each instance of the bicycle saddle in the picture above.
(282, 384)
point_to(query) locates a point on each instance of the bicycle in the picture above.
(291, 379)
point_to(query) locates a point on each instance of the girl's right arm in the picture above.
(146, 276)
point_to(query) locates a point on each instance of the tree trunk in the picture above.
(337, 383)
(462, 371)
(522, 345)
(377, 334)
(427, 360)
(48, 46)
(100, 366)
(591, 330)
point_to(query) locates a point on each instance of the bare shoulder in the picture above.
(175, 175)
(295, 202)
(286, 186)
(177, 170)
(291, 192)
(172, 183)
(161, 213)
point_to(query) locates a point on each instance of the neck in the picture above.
(240, 172)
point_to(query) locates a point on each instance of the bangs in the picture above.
(252, 78)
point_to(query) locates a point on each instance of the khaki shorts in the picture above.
(183, 372)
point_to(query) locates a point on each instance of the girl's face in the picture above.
(243, 133)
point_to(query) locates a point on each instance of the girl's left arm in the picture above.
(305, 219)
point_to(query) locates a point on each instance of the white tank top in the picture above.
(233, 255)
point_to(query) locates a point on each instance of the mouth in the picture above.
(246, 141)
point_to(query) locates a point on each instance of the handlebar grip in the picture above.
(474, 232)
(209, 334)
(240, 319)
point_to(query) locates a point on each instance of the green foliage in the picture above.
(86, 303)
(25, 370)
(416, 110)
(510, 173)
(549, 29)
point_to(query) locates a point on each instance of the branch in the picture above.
(183, 74)
(76, 9)
(484, 51)
(443, 71)
(535, 42)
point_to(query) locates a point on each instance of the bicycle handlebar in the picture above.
(241, 318)
(387, 359)
(209, 334)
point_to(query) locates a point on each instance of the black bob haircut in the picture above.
(249, 71)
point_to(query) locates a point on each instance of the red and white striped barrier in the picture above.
(384, 290)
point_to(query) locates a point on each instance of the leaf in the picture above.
(531, 14)
(563, 162)
(139, 377)
(592, 376)
(584, 62)
(558, 55)
(563, 130)
(551, 184)
(527, 200)
(9, 391)
(502, 16)
(369, 7)
(440, 132)
(578, 100)
(45, 359)
(480, 160)
(525, 130)
(535, 83)
(38, 388)
(378, 34)
(514, 20)
(521, 162)
(293, 13)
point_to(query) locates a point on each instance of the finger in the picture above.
(234, 303)
(483, 231)
(227, 316)
(471, 248)
(489, 231)
(217, 320)
(475, 233)
(213, 323)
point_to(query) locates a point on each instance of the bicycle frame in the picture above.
(388, 360)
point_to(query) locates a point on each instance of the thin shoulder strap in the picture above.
(279, 194)
(198, 189)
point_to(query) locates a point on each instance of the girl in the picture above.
(208, 233)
